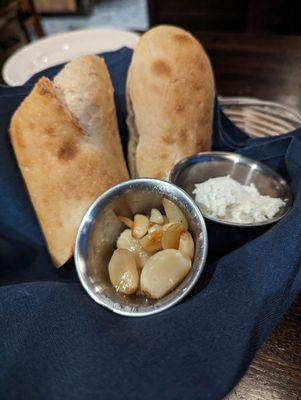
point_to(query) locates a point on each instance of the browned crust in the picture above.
(64, 170)
(170, 96)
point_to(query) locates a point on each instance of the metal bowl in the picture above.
(201, 167)
(100, 228)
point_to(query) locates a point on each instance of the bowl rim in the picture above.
(79, 259)
(237, 156)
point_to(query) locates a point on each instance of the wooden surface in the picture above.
(56, 5)
(265, 16)
(275, 373)
(226, 15)
(266, 67)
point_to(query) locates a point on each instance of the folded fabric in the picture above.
(57, 343)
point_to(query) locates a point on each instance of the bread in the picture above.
(170, 98)
(66, 141)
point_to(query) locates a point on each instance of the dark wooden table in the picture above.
(267, 67)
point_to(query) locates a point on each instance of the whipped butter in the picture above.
(225, 198)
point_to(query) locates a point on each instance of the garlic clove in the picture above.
(155, 227)
(163, 272)
(140, 227)
(152, 241)
(123, 271)
(186, 244)
(171, 235)
(174, 213)
(127, 221)
(156, 217)
(126, 241)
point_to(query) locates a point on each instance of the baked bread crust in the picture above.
(170, 99)
(66, 141)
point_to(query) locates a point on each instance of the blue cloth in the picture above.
(57, 343)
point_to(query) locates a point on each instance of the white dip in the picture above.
(227, 199)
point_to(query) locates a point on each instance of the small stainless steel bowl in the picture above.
(100, 228)
(201, 167)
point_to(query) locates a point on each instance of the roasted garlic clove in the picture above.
(174, 213)
(156, 217)
(171, 235)
(140, 227)
(123, 271)
(165, 220)
(163, 272)
(127, 221)
(155, 227)
(126, 241)
(186, 244)
(152, 241)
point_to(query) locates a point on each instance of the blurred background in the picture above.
(22, 21)
(254, 45)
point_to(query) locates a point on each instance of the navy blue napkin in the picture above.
(57, 343)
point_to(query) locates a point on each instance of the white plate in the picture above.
(57, 49)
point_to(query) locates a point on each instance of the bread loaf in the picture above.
(170, 97)
(66, 141)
